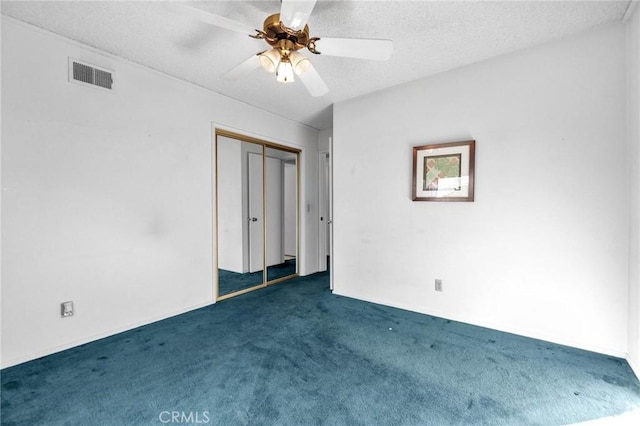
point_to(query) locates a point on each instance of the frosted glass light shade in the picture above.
(270, 60)
(284, 74)
(299, 62)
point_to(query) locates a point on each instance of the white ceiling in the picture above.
(429, 37)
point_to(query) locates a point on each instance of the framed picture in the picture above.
(444, 171)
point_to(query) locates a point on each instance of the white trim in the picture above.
(323, 210)
(634, 367)
(496, 327)
(330, 220)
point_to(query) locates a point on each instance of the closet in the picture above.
(257, 208)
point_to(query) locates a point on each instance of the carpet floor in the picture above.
(295, 354)
(230, 282)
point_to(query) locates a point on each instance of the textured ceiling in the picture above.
(429, 37)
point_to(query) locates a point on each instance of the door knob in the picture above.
(253, 219)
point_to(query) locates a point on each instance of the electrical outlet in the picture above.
(66, 309)
(438, 284)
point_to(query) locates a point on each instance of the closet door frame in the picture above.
(265, 144)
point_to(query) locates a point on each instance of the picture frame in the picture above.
(444, 171)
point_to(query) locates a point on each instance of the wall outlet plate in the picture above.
(66, 309)
(438, 284)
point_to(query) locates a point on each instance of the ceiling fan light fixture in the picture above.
(286, 37)
(270, 60)
(299, 63)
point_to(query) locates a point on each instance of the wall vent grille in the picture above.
(89, 74)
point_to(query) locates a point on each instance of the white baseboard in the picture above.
(634, 366)
(59, 348)
(499, 327)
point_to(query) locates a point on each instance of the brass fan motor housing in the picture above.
(282, 37)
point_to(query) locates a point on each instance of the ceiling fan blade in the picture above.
(313, 82)
(236, 73)
(360, 48)
(210, 18)
(295, 13)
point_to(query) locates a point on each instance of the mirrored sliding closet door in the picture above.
(257, 213)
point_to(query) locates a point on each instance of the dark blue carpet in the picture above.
(230, 282)
(288, 267)
(294, 354)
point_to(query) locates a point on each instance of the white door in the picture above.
(290, 208)
(256, 213)
(323, 237)
(274, 192)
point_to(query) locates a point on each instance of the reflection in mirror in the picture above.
(240, 225)
(281, 193)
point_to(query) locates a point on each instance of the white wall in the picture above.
(107, 197)
(543, 251)
(633, 73)
(231, 217)
(324, 139)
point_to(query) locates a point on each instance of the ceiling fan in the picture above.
(287, 33)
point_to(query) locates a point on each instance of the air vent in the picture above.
(83, 73)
